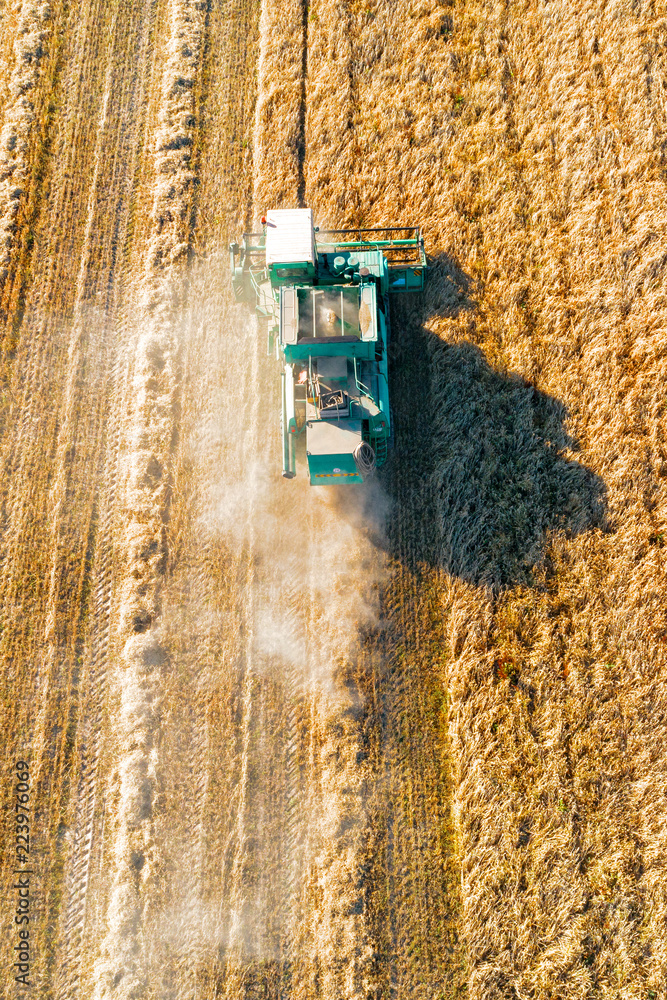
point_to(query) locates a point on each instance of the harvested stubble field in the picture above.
(403, 742)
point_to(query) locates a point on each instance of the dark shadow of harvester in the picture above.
(481, 453)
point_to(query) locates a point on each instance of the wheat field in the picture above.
(401, 741)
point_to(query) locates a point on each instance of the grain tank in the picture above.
(323, 299)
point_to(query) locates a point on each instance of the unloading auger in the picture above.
(324, 299)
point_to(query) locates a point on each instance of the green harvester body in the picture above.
(323, 298)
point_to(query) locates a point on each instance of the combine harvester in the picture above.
(324, 298)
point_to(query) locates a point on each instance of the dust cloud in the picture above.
(315, 552)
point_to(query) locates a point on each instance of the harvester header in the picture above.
(323, 298)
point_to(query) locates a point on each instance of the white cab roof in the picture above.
(289, 236)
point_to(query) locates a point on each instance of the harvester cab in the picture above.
(323, 299)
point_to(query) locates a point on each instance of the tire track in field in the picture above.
(78, 933)
(88, 811)
(87, 822)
